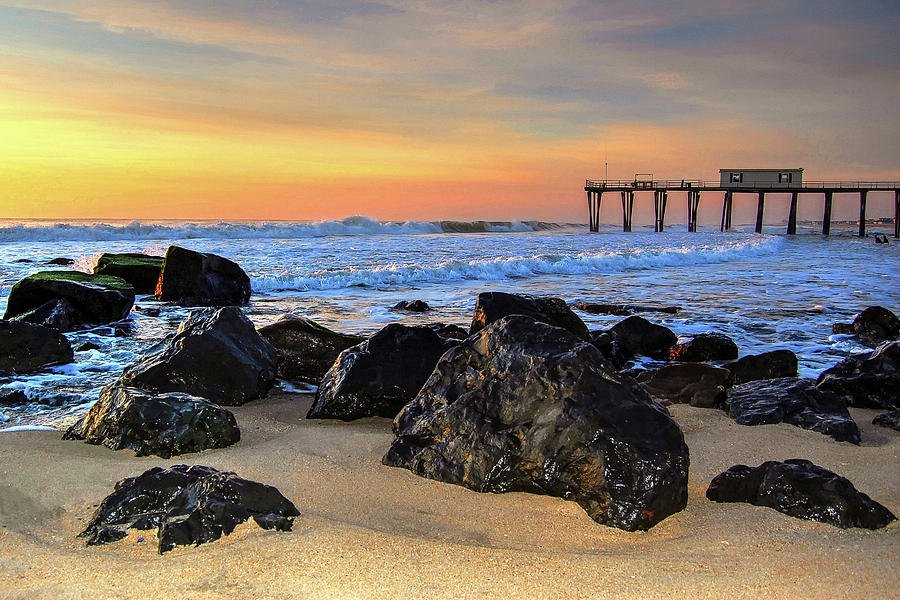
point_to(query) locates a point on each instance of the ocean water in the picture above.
(766, 291)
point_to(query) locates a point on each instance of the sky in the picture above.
(414, 110)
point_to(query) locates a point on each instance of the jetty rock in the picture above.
(794, 401)
(801, 489)
(638, 336)
(161, 424)
(696, 384)
(890, 419)
(867, 380)
(704, 347)
(493, 306)
(380, 375)
(524, 406)
(306, 350)
(600, 308)
(450, 331)
(56, 314)
(140, 270)
(90, 299)
(872, 326)
(192, 278)
(25, 347)
(768, 365)
(187, 505)
(216, 353)
(412, 306)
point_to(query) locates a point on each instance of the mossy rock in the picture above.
(140, 270)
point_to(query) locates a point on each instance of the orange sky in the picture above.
(423, 110)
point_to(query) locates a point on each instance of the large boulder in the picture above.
(525, 406)
(56, 314)
(493, 306)
(379, 376)
(868, 380)
(686, 383)
(201, 279)
(91, 299)
(306, 350)
(801, 489)
(872, 326)
(140, 270)
(160, 424)
(795, 401)
(25, 347)
(768, 365)
(704, 347)
(636, 335)
(215, 353)
(187, 505)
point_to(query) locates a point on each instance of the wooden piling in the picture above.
(792, 215)
(664, 197)
(897, 213)
(727, 205)
(826, 218)
(594, 210)
(760, 205)
(627, 209)
(693, 203)
(862, 212)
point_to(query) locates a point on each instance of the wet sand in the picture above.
(371, 531)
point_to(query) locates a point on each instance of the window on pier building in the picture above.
(737, 178)
(785, 177)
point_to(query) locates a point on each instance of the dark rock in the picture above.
(215, 353)
(795, 401)
(868, 380)
(412, 306)
(379, 376)
(768, 365)
(25, 347)
(493, 306)
(453, 332)
(798, 488)
(60, 261)
(163, 424)
(525, 406)
(87, 346)
(686, 383)
(609, 348)
(306, 350)
(872, 326)
(704, 347)
(93, 299)
(23, 260)
(199, 279)
(636, 335)
(13, 398)
(187, 505)
(624, 310)
(148, 310)
(889, 419)
(56, 314)
(140, 270)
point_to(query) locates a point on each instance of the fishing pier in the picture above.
(757, 182)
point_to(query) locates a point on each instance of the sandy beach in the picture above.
(371, 531)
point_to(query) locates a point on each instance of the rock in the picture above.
(140, 270)
(704, 347)
(597, 308)
(163, 424)
(636, 335)
(215, 354)
(60, 261)
(25, 348)
(872, 326)
(686, 383)
(868, 380)
(187, 505)
(453, 332)
(889, 419)
(379, 376)
(493, 306)
(199, 279)
(801, 489)
(795, 401)
(87, 346)
(306, 350)
(609, 348)
(93, 299)
(768, 365)
(148, 310)
(56, 314)
(23, 260)
(414, 306)
(13, 398)
(525, 406)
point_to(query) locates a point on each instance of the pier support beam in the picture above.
(727, 205)
(760, 206)
(896, 213)
(792, 215)
(594, 210)
(693, 204)
(627, 209)
(660, 198)
(826, 218)
(862, 212)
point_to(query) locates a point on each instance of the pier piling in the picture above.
(727, 205)
(627, 209)
(594, 210)
(660, 198)
(862, 212)
(897, 213)
(760, 206)
(792, 215)
(693, 204)
(826, 218)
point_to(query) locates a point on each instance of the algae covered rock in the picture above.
(201, 279)
(140, 270)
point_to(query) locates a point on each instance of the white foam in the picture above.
(26, 428)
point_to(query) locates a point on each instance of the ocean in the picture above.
(767, 291)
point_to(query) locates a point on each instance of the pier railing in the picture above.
(687, 184)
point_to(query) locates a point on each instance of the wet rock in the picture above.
(598, 308)
(61, 261)
(868, 380)
(528, 407)
(187, 505)
(768, 365)
(23, 260)
(493, 306)
(453, 332)
(379, 376)
(161, 424)
(872, 326)
(25, 348)
(13, 398)
(87, 346)
(200, 279)
(140, 270)
(686, 383)
(412, 306)
(801, 489)
(92, 299)
(889, 419)
(704, 347)
(56, 314)
(609, 348)
(795, 401)
(215, 354)
(306, 350)
(636, 335)
(150, 311)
